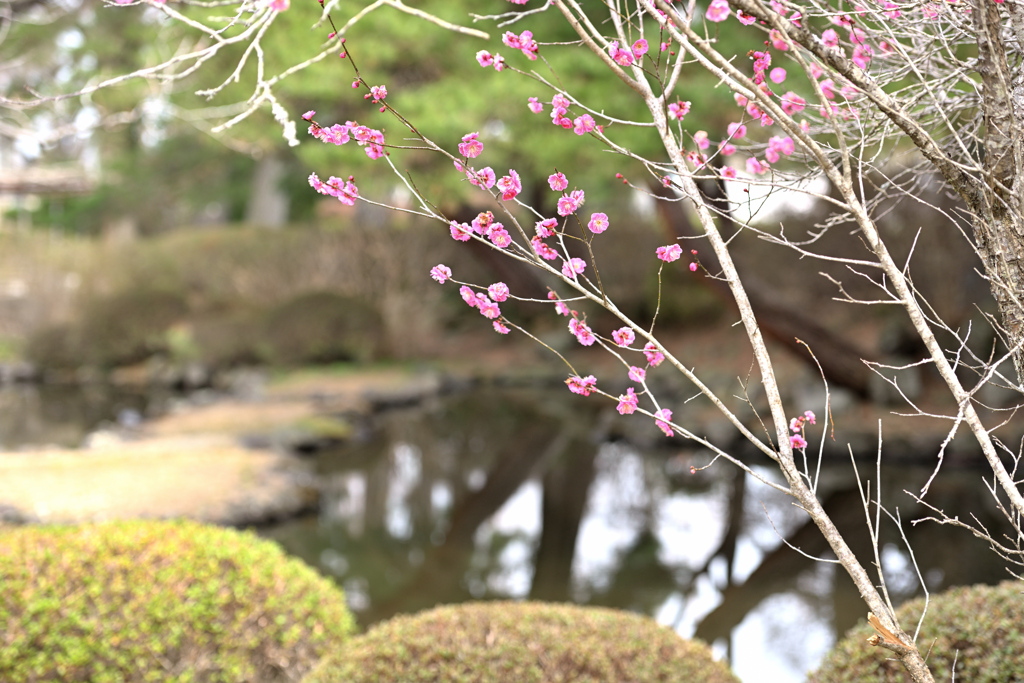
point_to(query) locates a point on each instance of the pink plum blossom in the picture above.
(499, 237)
(510, 185)
(653, 355)
(627, 402)
(558, 181)
(581, 385)
(468, 295)
(582, 332)
(543, 250)
(777, 75)
(460, 232)
(662, 418)
(623, 336)
(797, 442)
(488, 308)
(637, 374)
(441, 273)
(535, 106)
(679, 109)
(498, 291)
(583, 124)
(546, 227)
(499, 328)
(755, 167)
(471, 147)
(670, 253)
(573, 267)
(718, 11)
(640, 48)
(745, 19)
(598, 223)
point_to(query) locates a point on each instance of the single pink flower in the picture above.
(308, 115)
(745, 19)
(460, 232)
(441, 273)
(653, 355)
(573, 267)
(670, 253)
(498, 291)
(468, 295)
(640, 48)
(535, 106)
(488, 308)
(598, 223)
(627, 402)
(777, 75)
(809, 416)
(583, 124)
(718, 11)
(500, 237)
(558, 181)
(797, 442)
(623, 336)
(637, 374)
(499, 328)
(484, 58)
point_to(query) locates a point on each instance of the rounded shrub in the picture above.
(494, 642)
(976, 632)
(160, 601)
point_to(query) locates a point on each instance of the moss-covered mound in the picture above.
(160, 601)
(495, 642)
(980, 627)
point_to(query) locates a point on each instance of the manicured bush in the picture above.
(981, 628)
(160, 601)
(495, 642)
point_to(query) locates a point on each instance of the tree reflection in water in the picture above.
(522, 493)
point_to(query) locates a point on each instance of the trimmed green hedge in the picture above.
(981, 627)
(522, 642)
(159, 601)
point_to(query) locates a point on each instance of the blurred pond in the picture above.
(537, 494)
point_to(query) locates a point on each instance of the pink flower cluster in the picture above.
(523, 41)
(486, 59)
(345, 190)
(545, 228)
(679, 109)
(581, 385)
(624, 57)
(480, 301)
(569, 203)
(483, 178)
(662, 419)
(370, 139)
(796, 425)
(584, 335)
(510, 185)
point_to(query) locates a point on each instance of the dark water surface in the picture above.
(530, 494)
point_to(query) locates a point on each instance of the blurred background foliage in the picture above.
(159, 165)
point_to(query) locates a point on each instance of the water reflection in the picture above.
(527, 494)
(64, 414)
